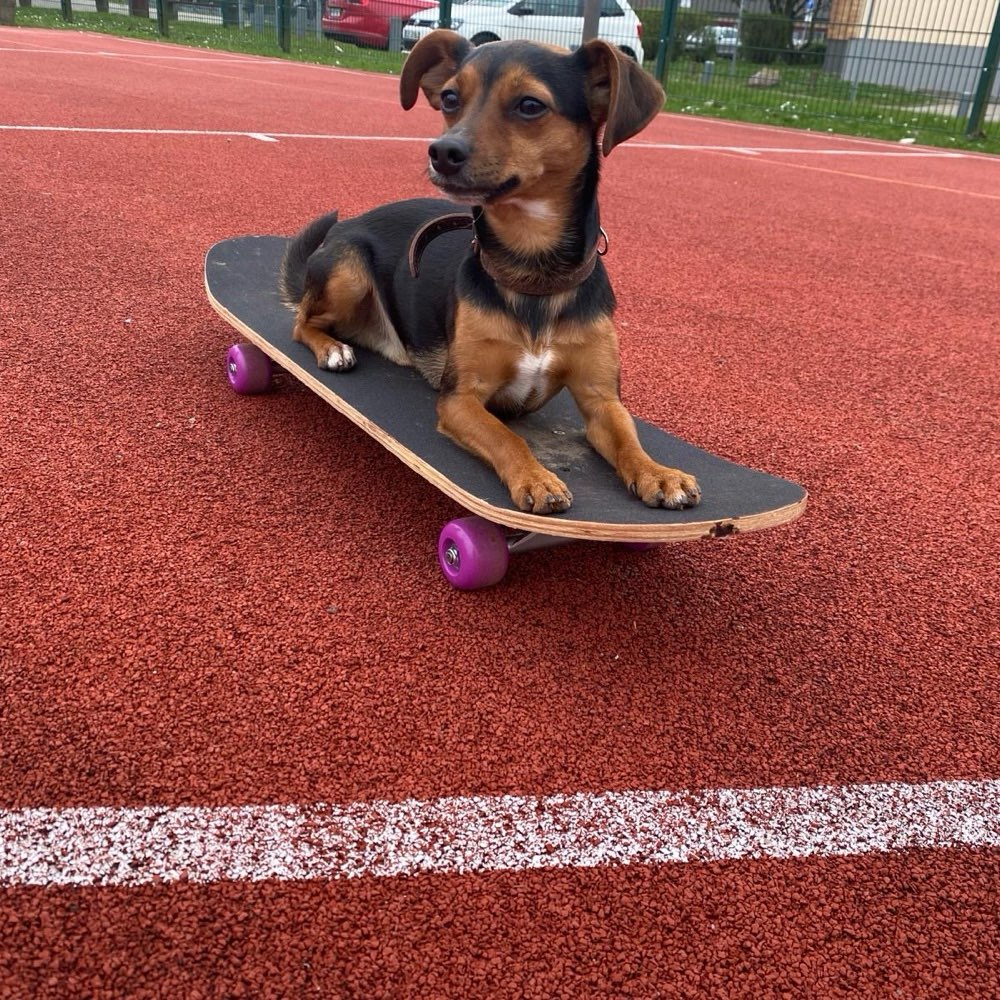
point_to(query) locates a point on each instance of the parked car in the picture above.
(367, 22)
(721, 39)
(556, 22)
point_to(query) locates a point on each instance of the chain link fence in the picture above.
(892, 67)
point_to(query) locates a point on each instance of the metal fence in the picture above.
(908, 65)
(914, 65)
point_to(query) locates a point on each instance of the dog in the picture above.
(500, 323)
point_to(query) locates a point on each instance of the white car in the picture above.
(555, 22)
(723, 39)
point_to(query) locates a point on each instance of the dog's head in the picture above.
(522, 120)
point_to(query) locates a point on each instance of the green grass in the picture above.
(805, 98)
(808, 98)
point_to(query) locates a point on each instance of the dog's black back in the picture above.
(419, 308)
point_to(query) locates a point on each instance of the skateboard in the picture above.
(397, 407)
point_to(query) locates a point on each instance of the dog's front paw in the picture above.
(660, 486)
(541, 493)
(337, 358)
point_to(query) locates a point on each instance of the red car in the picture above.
(366, 22)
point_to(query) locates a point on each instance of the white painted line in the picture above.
(944, 154)
(210, 133)
(113, 846)
(327, 137)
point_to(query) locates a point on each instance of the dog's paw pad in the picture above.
(668, 488)
(339, 358)
(545, 496)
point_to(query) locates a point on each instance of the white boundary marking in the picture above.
(133, 846)
(945, 154)
(327, 137)
(215, 133)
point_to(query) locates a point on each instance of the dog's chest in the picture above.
(531, 381)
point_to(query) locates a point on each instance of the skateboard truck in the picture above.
(474, 553)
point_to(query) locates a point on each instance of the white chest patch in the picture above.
(535, 208)
(531, 379)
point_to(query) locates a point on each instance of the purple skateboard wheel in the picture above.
(249, 369)
(473, 553)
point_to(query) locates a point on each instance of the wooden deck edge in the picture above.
(559, 525)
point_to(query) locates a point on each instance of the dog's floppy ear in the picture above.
(432, 61)
(622, 96)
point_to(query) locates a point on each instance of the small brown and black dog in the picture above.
(498, 327)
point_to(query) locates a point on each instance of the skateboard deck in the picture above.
(397, 407)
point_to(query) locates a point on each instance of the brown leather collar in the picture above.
(510, 278)
(431, 231)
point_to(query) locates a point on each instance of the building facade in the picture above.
(932, 46)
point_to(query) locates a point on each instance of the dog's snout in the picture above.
(449, 154)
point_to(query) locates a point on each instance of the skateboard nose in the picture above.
(449, 154)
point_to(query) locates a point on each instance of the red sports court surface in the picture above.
(254, 745)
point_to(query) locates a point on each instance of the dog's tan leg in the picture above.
(345, 303)
(464, 418)
(611, 432)
(330, 353)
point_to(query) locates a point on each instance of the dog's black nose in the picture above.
(448, 154)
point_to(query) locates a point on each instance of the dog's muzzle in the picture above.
(449, 154)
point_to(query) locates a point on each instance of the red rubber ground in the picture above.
(213, 599)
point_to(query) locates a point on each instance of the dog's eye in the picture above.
(531, 107)
(450, 101)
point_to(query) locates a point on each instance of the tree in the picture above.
(788, 12)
